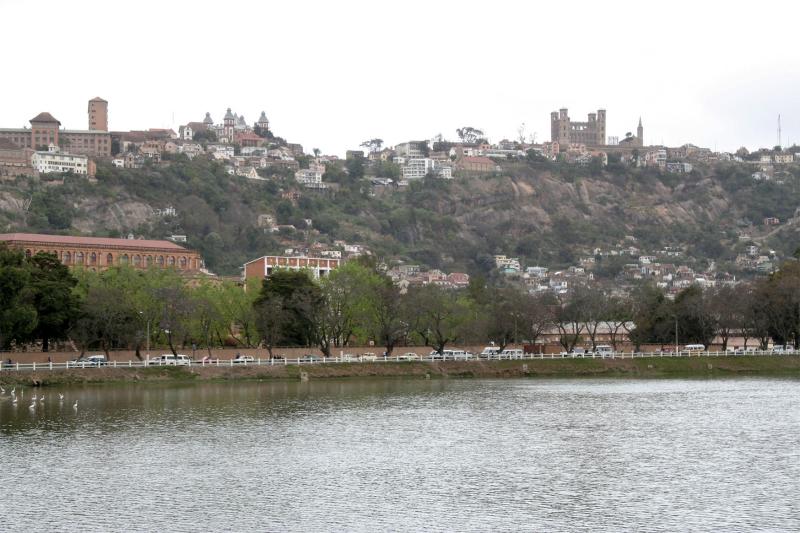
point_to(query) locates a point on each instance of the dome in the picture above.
(228, 114)
(208, 120)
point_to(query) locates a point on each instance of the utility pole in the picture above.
(779, 130)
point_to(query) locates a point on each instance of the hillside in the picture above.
(550, 214)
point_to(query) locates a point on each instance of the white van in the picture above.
(512, 354)
(603, 350)
(169, 359)
(694, 348)
(489, 352)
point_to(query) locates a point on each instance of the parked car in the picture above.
(90, 360)
(168, 359)
(369, 356)
(408, 356)
(308, 358)
(241, 358)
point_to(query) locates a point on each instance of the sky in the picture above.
(331, 75)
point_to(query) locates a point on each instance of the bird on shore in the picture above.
(12, 391)
(14, 400)
(60, 397)
(32, 406)
(2, 390)
(75, 405)
(42, 398)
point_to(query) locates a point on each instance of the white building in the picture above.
(310, 177)
(416, 168)
(224, 150)
(54, 160)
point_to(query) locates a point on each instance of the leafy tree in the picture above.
(298, 296)
(469, 135)
(442, 315)
(373, 145)
(51, 284)
(18, 317)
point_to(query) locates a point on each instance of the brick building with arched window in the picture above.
(98, 253)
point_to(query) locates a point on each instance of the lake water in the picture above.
(449, 455)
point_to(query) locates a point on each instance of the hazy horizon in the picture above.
(331, 75)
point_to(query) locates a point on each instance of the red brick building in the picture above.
(263, 266)
(98, 253)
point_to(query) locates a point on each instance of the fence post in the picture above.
(34, 365)
(51, 365)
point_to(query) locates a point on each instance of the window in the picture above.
(161, 260)
(66, 258)
(149, 261)
(137, 260)
(28, 253)
(79, 258)
(123, 259)
(109, 259)
(171, 261)
(183, 263)
(93, 258)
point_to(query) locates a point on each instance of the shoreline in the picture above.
(655, 367)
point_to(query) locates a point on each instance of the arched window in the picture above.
(28, 254)
(66, 258)
(149, 261)
(137, 260)
(171, 261)
(110, 259)
(78, 258)
(161, 260)
(123, 259)
(93, 258)
(183, 263)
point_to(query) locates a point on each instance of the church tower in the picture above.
(640, 133)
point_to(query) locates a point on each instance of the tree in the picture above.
(695, 321)
(18, 316)
(385, 315)
(469, 135)
(442, 316)
(726, 315)
(271, 318)
(51, 284)
(298, 296)
(570, 318)
(373, 145)
(176, 314)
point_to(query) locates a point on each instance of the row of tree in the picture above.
(124, 308)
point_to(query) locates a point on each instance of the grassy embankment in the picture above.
(652, 367)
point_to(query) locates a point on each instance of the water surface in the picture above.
(460, 455)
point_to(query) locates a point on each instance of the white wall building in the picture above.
(54, 160)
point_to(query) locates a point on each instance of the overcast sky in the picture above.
(330, 74)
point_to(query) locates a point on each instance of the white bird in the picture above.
(12, 391)
(34, 398)
(32, 406)
(60, 397)
(2, 390)
(14, 400)
(42, 398)
(75, 405)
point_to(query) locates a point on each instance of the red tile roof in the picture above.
(44, 117)
(68, 240)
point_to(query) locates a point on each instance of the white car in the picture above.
(369, 357)
(169, 359)
(409, 356)
(244, 359)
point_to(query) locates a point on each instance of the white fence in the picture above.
(349, 359)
